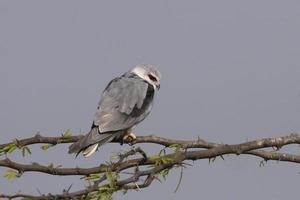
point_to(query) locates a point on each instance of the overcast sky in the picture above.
(231, 73)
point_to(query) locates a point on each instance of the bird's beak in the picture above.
(158, 86)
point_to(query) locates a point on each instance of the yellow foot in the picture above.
(129, 138)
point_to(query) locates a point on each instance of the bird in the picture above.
(125, 102)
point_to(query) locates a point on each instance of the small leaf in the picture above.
(28, 150)
(9, 148)
(67, 134)
(46, 146)
(164, 160)
(164, 173)
(106, 196)
(11, 174)
(124, 191)
(110, 179)
(104, 189)
(211, 160)
(222, 157)
(51, 166)
(104, 193)
(177, 147)
(25, 150)
(162, 152)
(180, 179)
(156, 159)
(12, 148)
(262, 163)
(92, 177)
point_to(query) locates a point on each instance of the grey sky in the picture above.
(230, 73)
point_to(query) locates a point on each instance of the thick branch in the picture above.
(73, 171)
(213, 151)
(293, 138)
(189, 150)
(38, 139)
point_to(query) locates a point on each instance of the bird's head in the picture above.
(149, 73)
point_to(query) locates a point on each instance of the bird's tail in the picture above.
(90, 142)
(90, 150)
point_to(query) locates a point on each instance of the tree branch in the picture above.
(181, 151)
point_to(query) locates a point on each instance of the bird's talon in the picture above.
(129, 138)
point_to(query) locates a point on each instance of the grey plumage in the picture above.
(125, 102)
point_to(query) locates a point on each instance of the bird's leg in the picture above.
(128, 136)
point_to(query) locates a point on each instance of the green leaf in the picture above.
(11, 174)
(92, 177)
(262, 163)
(51, 166)
(156, 159)
(110, 179)
(9, 148)
(46, 146)
(166, 160)
(67, 134)
(211, 160)
(162, 152)
(25, 150)
(222, 157)
(12, 148)
(165, 173)
(104, 193)
(106, 196)
(124, 191)
(177, 147)
(104, 189)
(180, 179)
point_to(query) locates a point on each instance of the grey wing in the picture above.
(120, 98)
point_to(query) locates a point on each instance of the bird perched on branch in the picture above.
(126, 101)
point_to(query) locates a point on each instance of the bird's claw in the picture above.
(129, 138)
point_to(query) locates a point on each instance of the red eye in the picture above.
(152, 78)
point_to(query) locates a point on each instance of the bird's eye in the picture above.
(152, 78)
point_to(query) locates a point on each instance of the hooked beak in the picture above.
(158, 86)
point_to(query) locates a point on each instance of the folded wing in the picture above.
(122, 105)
